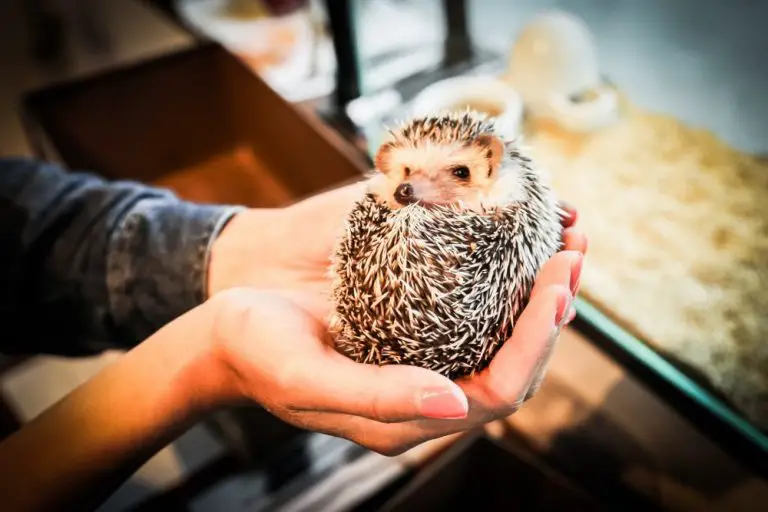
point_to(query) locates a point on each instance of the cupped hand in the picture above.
(273, 336)
(271, 347)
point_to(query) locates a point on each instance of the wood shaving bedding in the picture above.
(678, 229)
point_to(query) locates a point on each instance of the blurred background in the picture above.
(650, 116)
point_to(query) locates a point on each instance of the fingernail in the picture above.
(563, 303)
(444, 403)
(576, 273)
(569, 210)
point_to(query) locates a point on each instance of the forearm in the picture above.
(89, 264)
(79, 451)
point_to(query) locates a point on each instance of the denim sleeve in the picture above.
(88, 264)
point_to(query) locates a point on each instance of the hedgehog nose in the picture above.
(404, 194)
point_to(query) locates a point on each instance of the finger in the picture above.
(386, 438)
(517, 363)
(564, 268)
(574, 240)
(571, 214)
(335, 383)
(389, 439)
(541, 369)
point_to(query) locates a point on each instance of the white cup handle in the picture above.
(583, 117)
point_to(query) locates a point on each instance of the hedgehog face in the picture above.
(434, 173)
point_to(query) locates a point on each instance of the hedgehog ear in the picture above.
(494, 150)
(383, 157)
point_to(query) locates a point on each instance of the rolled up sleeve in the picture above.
(89, 264)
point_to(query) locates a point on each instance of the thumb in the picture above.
(387, 394)
(519, 361)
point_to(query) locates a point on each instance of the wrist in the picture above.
(245, 250)
(183, 355)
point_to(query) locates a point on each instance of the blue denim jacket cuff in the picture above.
(157, 262)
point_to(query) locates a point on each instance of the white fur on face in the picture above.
(430, 173)
(383, 188)
(506, 189)
(432, 159)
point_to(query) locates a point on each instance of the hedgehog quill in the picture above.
(438, 259)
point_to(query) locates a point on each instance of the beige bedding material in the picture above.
(678, 229)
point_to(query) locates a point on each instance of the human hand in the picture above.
(289, 250)
(271, 347)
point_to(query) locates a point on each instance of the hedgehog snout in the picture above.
(404, 194)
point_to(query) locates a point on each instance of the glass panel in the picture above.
(389, 52)
(652, 118)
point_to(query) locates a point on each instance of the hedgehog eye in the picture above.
(461, 172)
(407, 171)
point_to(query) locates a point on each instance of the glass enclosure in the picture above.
(652, 118)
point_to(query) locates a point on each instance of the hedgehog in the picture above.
(439, 255)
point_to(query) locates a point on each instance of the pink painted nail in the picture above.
(444, 403)
(576, 273)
